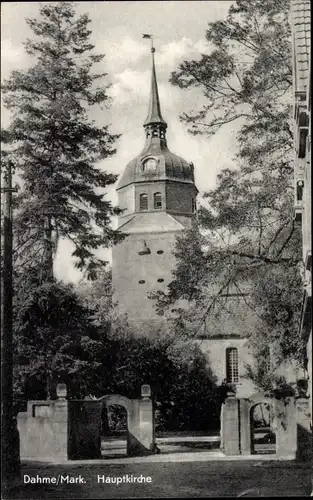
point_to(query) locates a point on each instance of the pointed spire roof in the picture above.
(168, 166)
(154, 114)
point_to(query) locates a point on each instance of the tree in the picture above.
(55, 339)
(56, 147)
(246, 77)
(97, 296)
(182, 385)
(249, 242)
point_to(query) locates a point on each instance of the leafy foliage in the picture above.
(55, 339)
(65, 336)
(55, 146)
(247, 76)
(248, 242)
(97, 296)
(184, 389)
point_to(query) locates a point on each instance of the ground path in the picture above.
(193, 479)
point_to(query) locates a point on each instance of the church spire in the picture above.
(154, 124)
(154, 114)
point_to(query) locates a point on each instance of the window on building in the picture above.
(157, 200)
(193, 205)
(232, 371)
(300, 187)
(143, 202)
(149, 165)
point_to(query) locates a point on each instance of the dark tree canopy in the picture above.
(55, 338)
(55, 147)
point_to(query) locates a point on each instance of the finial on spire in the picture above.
(150, 37)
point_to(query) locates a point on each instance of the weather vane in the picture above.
(150, 37)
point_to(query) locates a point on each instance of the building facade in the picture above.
(301, 38)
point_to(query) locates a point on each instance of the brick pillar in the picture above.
(231, 427)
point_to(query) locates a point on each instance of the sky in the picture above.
(179, 29)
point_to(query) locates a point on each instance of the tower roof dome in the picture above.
(156, 161)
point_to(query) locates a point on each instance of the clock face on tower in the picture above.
(149, 165)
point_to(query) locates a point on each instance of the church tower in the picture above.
(158, 194)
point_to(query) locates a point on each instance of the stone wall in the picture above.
(43, 431)
(70, 430)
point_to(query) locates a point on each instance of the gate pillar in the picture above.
(147, 435)
(231, 426)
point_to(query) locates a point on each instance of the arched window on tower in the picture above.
(232, 368)
(143, 202)
(157, 201)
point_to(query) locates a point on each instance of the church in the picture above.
(157, 193)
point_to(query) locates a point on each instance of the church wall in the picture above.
(126, 197)
(179, 197)
(215, 350)
(128, 268)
